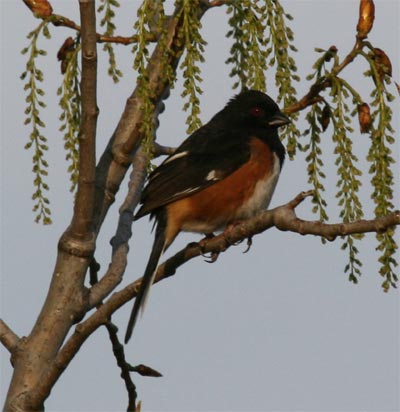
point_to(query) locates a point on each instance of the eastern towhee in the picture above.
(226, 171)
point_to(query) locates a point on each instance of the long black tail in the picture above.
(148, 277)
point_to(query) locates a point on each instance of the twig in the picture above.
(79, 238)
(119, 354)
(7, 337)
(117, 348)
(160, 150)
(145, 371)
(313, 94)
(126, 139)
(62, 21)
(135, 186)
(282, 217)
(81, 225)
(119, 242)
(310, 98)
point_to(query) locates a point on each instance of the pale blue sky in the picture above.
(229, 336)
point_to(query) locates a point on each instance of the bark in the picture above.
(37, 359)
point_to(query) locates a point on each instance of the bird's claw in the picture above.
(229, 243)
(249, 244)
(210, 257)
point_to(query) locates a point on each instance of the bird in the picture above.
(223, 173)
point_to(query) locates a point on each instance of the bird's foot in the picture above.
(210, 257)
(249, 243)
(228, 231)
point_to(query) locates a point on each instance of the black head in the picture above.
(253, 109)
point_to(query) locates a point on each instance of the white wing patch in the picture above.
(187, 191)
(176, 156)
(213, 175)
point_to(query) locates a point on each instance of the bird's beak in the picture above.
(278, 119)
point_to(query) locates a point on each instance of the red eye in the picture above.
(257, 111)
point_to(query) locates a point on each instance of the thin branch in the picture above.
(310, 98)
(110, 172)
(126, 139)
(282, 217)
(119, 242)
(64, 305)
(358, 46)
(144, 370)
(82, 221)
(7, 337)
(117, 347)
(160, 150)
(58, 20)
(43, 10)
(313, 94)
(119, 354)
(135, 186)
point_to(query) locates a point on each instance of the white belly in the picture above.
(262, 195)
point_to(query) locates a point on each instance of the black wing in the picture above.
(203, 159)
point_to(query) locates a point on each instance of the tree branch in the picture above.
(68, 300)
(119, 242)
(65, 303)
(323, 83)
(126, 139)
(160, 150)
(310, 98)
(7, 337)
(117, 347)
(282, 217)
(135, 186)
(82, 220)
(119, 354)
(42, 9)
(58, 20)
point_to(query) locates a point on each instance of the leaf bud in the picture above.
(40, 8)
(64, 53)
(366, 18)
(325, 117)
(364, 117)
(383, 63)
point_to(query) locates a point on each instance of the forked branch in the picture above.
(282, 217)
(7, 337)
